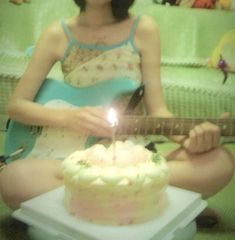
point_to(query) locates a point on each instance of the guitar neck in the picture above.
(144, 125)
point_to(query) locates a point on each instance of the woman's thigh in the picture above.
(24, 179)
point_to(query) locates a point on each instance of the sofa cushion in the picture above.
(188, 35)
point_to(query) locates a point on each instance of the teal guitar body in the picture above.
(21, 136)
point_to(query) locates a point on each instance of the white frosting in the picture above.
(120, 154)
(120, 164)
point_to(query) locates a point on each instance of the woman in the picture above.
(104, 42)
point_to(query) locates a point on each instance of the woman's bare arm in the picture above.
(49, 49)
(202, 137)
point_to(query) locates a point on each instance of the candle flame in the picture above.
(112, 117)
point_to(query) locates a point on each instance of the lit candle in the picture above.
(112, 117)
(113, 120)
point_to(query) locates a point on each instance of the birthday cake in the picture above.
(119, 185)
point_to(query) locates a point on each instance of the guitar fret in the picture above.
(131, 126)
(145, 126)
(192, 124)
(181, 127)
(158, 127)
(153, 126)
(228, 127)
(162, 130)
(223, 126)
(134, 125)
(124, 126)
(177, 126)
(217, 122)
(171, 128)
(128, 129)
(136, 129)
(232, 128)
(140, 126)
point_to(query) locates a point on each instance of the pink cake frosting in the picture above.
(119, 185)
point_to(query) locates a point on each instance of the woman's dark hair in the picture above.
(120, 7)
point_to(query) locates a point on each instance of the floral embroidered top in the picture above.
(88, 64)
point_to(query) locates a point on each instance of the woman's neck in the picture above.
(96, 16)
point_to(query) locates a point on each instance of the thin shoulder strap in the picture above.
(134, 26)
(66, 30)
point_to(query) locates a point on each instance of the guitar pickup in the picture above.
(35, 130)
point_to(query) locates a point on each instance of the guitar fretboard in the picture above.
(142, 125)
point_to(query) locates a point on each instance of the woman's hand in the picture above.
(202, 138)
(88, 121)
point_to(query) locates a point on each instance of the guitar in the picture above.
(22, 138)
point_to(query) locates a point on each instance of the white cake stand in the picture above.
(49, 220)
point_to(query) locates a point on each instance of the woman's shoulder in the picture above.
(53, 32)
(147, 33)
(58, 28)
(147, 25)
(53, 39)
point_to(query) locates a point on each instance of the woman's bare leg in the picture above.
(24, 179)
(205, 173)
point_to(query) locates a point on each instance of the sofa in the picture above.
(192, 88)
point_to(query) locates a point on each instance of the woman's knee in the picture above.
(227, 164)
(206, 173)
(220, 170)
(10, 183)
(24, 179)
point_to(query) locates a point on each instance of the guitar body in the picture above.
(102, 94)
